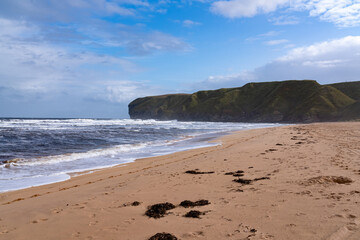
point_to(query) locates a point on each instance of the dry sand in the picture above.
(313, 192)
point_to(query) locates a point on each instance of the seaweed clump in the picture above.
(193, 214)
(136, 203)
(163, 236)
(159, 210)
(238, 173)
(188, 203)
(243, 181)
(198, 172)
(262, 178)
(249, 181)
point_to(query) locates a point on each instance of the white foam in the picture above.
(33, 181)
(110, 152)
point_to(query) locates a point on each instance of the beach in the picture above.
(299, 182)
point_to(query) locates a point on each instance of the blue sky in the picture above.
(90, 58)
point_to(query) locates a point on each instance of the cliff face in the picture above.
(286, 101)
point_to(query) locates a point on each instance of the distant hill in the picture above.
(285, 101)
(352, 89)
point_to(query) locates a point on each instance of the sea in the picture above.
(35, 152)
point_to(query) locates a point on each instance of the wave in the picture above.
(110, 152)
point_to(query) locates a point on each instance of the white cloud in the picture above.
(124, 91)
(155, 41)
(343, 13)
(36, 66)
(68, 10)
(324, 63)
(347, 46)
(64, 54)
(222, 81)
(270, 34)
(264, 36)
(284, 20)
(276, 42)
(330, 61)
(190, 23)
(246, 8)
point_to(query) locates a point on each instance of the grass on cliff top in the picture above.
(351, 89)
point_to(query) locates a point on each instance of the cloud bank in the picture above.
(329, 61)
(343, 13)
(54, 49)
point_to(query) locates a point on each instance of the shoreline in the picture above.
(69, 175)
(293, 191)
(201, 140)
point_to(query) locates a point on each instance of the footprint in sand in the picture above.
(6, 231)
(345, 232)
(193, 234)
(39, 220)
(76, 234)
(93, 223)
(57, 210)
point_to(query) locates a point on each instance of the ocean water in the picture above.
(34, 152)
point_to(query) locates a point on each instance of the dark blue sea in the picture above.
(39, 151)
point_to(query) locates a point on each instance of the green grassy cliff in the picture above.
(286, 101)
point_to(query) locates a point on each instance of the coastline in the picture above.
(35, 162)
(65, 176)
(297, 202)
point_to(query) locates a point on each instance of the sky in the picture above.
(90, 58)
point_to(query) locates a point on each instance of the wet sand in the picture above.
(291, 182)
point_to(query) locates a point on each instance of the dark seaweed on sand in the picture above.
(243, 181)
(136, 203)
(163, 236)
(188, 203)
(248, 181)
(159, 210)
(194, 214)
(198, 172)
(262, 178)
(238, 173)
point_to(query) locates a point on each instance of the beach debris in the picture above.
(271, 150)
(243, 181)
(194, 214)
(354, 192)
(238, 173)
(262, 178)
(249, 181)
(188, 203)
(328, 180)
(163, 236)
(135, 203)
(198, 172)
(159, 210)
(278, 144)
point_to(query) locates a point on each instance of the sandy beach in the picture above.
(291, 182)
